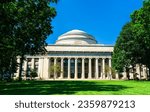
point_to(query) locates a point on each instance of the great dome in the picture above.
(76, 37)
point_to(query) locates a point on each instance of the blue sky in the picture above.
(101, 18)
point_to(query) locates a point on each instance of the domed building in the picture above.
(75, 55)
(76, 37)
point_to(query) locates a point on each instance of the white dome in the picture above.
(76, 37)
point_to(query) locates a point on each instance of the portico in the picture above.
(78, 67)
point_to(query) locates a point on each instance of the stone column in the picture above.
(117, 75)
(147, 72)
(138, 71)
(90, 70)
(49, 68)
(76, 68)
(40, 68)
(62, 66)
(110, 72)
(46, 68)
(49, 65)
(69, 68)
(131, 74)
(103, 68)
(144, 72)
(96, 68)
(25, 68)
(55, 64)
(32, 63)
(125, 74)
(83, 68)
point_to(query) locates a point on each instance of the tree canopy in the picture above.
(133, 44)
(141, 29)
(25, 25)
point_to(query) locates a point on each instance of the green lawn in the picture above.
(75, 88)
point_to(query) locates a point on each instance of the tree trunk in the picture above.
(20, 68)
(10, 68)
(127, 73)
(133, 70)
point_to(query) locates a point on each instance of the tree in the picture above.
(123, 50)
(34, 27)
(133, 44)
(55, 70)
(8, 51)
(29, 24)
(141, 29)
(108, 70)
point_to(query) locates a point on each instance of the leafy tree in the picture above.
(133, 44)
(25, 26)
(141, 29)
(122, 55)
(107, 71)
(126, 51)
(8, 51)
(55, 68)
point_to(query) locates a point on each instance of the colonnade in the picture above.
(96, 68)
(76, 68)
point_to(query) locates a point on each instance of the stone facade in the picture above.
(76, 55)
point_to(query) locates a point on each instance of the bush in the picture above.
(33, 73)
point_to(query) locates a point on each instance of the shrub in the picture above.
(33, 73)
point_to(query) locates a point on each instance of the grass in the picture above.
(107, 87)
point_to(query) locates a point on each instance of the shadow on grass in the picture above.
(55, 87)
